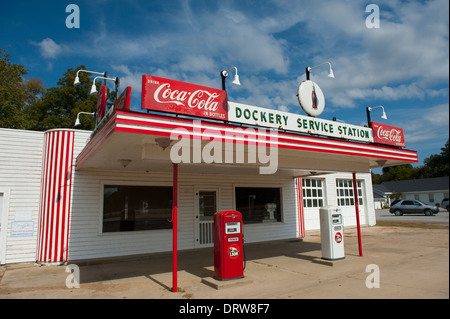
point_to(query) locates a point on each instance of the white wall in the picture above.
(87, 241)
(367, 211)
(20, 172)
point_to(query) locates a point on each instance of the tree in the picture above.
(26, 104)
(60, 105)
(17, 95)
(398, 173)
(436, 165)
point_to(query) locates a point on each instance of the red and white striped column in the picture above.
(300, 208)
(55, 204)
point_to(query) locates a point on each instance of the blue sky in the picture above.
(402, 65)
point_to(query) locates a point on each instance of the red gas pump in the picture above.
(228, 245)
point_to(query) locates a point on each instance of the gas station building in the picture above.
(68, 195)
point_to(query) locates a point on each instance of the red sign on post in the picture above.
(386, 134)
(123, 102)
(101, 103)
(166, 95)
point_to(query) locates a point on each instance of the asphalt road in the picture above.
(441, 218)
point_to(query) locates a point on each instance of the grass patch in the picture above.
(413, 225)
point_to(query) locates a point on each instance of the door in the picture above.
(206, 208)
(417, 208)
(407, 206)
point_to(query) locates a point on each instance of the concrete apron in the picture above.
(412, 263)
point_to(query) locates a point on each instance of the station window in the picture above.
(344, 192)
(312, 192)
(133, 208)
(259, 204)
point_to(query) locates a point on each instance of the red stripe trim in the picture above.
(340, 147)
(49, 199)
(280, 145)
(131, 122)
(64, 195)
(56, 196)
(143, 119)
(97, 140)
(300, 209)
(69, 195)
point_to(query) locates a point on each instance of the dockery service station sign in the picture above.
(247, 114)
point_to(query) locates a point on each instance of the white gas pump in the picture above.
(332, 233)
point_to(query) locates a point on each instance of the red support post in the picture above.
(355, 194)
(175, 227)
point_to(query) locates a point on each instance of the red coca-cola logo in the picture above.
(200, 99)
(391, 135)
(386, 134)
(184, 98)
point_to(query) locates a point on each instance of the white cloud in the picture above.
(438, 115)
(422, 124)
(48, 48)
(412, 47)
(129, 78)
(271, 42)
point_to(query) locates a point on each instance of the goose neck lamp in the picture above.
(369, 109)
(116, 81)
(77, 122)
(77, 79)
(224, 75)
(309, 69)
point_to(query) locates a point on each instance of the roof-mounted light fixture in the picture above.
(309, 69)
(77, 79)
(369, 109)
(77, 122)
(224, 75)
(94, 88)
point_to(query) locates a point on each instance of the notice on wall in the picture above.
(22, 228)
(23, 225)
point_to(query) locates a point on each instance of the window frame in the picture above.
(279, 186)
(305, 189)
(103, 183)
(347, 192)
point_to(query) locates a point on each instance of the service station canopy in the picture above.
(205, 134)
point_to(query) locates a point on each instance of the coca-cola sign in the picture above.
(386, 134)
(101, 103)
(123, 102)
(166, 95)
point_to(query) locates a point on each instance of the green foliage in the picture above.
(17, 95)
(60, 105)
(26, 104)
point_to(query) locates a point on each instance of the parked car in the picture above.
(408, 206)
(395, 201)
(444, 203)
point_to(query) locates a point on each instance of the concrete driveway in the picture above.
(411, 263)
